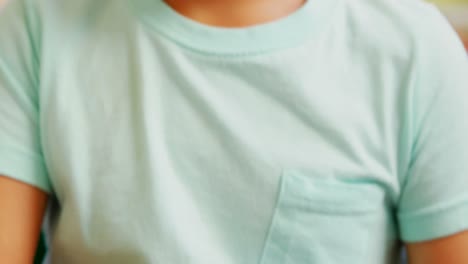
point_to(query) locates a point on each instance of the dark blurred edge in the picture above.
(41, 250)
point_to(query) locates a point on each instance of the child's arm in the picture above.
(448, 250)
(21, 204)
(21, 211)
(433, 205)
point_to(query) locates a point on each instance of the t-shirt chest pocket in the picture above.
(321, 219)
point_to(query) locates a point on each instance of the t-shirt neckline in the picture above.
(287, 31)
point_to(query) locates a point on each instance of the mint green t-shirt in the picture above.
(325, 137)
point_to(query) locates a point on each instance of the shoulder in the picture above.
(405, 16)
(404, 27)
(49, 12)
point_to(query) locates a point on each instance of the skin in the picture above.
(447, 250)
(22, 206)
(21, 211)
(235, 13)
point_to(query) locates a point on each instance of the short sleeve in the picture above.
(21, 155)
(434, 197)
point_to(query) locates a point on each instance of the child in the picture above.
(232, 132)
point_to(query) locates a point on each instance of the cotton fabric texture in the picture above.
(322, 137)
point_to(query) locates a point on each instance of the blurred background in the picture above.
(457, 13)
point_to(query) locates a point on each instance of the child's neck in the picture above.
(235, 13)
